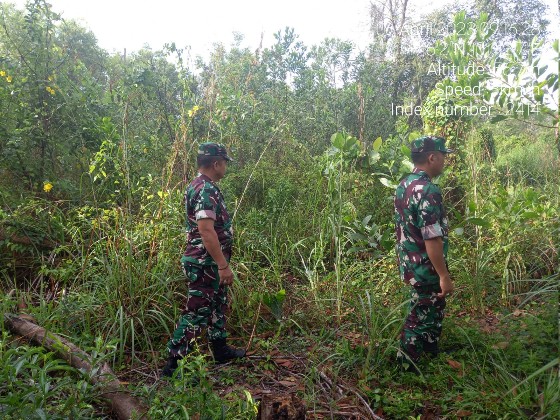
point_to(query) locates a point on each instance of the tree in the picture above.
(515, 83)
(51, 94)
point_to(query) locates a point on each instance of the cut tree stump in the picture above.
(281, 407)
(124, 405)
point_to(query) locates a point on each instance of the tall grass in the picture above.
(382, 326)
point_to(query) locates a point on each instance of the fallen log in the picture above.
(124, 405)
(26, 240)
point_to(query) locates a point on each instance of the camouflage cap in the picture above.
(213, 149)
(429, 144)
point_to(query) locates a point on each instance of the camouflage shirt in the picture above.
(419, 215)
(204, 200)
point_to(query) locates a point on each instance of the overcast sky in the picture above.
(130, 24)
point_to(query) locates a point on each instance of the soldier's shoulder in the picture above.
(405, 180)
(413, 181)
(196, 188)
(209, 188)
(202, 184)
(430, 188)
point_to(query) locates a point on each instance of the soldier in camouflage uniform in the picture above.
(205, 262)
(421, 228)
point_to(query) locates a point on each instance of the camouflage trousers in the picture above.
(422, 327)
(206, 307)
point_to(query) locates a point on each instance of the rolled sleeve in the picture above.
(206, 203)
(431, 231)
(430, 214)
(205, 214)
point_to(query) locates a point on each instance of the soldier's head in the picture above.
(212, 160)
(428, 153)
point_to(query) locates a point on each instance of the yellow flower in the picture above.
(47, 186)
(2, 73)
(192, 112)
(50, 90)
(9, 79)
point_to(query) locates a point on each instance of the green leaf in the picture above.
(349, 142)
(355, 236)
(281, 295)
(377, 144)
(530, 215)
(538, 91)
(551, 80)
(388, 183)
(405, 150)
(502, 99)
(337, 140)
(373, 157)
(518, 48)
(356, 249)
(387, 241)
(274, 302)
(541, 70)
(406, 166)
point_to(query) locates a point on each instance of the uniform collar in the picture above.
(421, 172)
(206, 178)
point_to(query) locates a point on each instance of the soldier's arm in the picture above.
(212, 245)
(429, 223)
(434, 248)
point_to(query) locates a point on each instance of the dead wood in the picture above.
(26, 240)
(281, 407)
(124, 405)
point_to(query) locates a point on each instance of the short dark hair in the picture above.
(204, 161)
(420, 158)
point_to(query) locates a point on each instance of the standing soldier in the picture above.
(421, 228)
(205, 262)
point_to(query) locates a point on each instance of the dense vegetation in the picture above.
(96, 150)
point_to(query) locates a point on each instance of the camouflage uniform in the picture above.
(419, 215)
(207, 300)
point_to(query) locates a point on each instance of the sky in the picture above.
(131, 24)
(120, 24)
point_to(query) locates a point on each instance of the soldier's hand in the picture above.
(226, 276)
(446, 286)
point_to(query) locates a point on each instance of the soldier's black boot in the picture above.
(170, 366)
(224, 353)
(431, 350)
